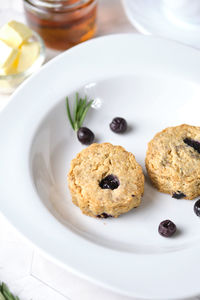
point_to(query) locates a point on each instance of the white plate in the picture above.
(151, 82)
(149, 17)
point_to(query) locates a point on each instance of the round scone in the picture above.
(105, 181)
(173, 161)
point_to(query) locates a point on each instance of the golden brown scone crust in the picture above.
(93, 164)
(172, 164)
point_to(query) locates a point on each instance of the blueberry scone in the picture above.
(105, 181)
(173, 161)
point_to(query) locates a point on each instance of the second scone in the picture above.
(173, 161)
(105, 180)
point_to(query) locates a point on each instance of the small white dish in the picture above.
(186, 11)
(157, 18)
(8, 83)
(127, 76)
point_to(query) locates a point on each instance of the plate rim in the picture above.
(134, 38)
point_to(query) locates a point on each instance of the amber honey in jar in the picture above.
(62, 23)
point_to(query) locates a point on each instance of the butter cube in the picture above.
(7, 55)
(15, 33)
(11, 69)
(28, 54)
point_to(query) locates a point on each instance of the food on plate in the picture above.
(173, 161)
(197, 208)
(81, 107)
(85, 136)
(17, 51)
(167, 228)
(105, 181)
(118, 125)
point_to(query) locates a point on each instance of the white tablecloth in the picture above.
(29, 274)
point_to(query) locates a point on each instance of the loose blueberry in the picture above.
(192, 143)
(104, 216)
(197, 208)
(167, 228)
(178, 195)
(85, 136)
(109, 182)
(118, 125)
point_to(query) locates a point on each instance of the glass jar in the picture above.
(62, 23)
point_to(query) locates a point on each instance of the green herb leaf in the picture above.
(2, 297)
(76, 107)
(87, 107)
(68, 113)
(81, 108)
(5, 293)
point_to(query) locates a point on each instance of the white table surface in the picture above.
(28, 273)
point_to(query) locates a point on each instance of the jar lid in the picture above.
(57, 4)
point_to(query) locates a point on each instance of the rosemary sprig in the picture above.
(5, 293)
(81, 108)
